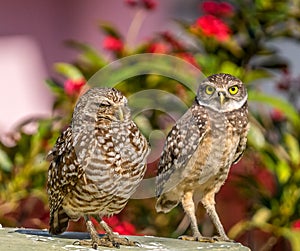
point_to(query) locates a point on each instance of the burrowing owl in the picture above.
(200, 149)
(96, 164)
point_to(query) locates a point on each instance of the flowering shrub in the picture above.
(212, 26)
(227, 37)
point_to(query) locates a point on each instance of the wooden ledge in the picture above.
(21, 239)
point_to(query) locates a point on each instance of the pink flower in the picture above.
(113, 44)
(158, 48)
(73, 86)
(212, 26)
(217, 9)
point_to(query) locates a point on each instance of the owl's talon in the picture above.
(138, 244)
(116, 244)
(95, 245)
(76, 243)
(196, 238)
(220, 238)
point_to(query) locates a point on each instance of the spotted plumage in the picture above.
(96, 163)
(200, 149)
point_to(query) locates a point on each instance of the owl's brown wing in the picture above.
(181, 143)
(242, 127)
(63, 173)
(241, 146)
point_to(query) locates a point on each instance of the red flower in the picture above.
(277, 115)
(210, 7)
(296, 225)
(225, 9)
(217, 9)
(113, 44)
(266, 179)
(169, 38)
(112, 221)
(131, 3)
(284, 85)
(189, 58)
(73, 86)
(212, 26)
(124, 228)
(149, 4)
(158, 48)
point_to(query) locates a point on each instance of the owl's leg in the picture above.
(208, 202)
(114, 237)
(109, 240)
(189, 208)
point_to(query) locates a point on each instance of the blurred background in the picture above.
(49, 49)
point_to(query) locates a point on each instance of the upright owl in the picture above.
(200, 149)
(96, 164)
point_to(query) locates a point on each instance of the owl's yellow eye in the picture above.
(233, 90)
(209, 90)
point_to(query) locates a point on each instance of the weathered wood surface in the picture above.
(18, 239)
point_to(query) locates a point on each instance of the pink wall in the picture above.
(31, 40)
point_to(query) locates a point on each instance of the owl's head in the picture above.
(222, 93)
(97, 104)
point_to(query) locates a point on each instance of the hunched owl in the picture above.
(200, 149)
(96, 164)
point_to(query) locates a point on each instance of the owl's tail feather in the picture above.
(165, 204)
(58, 221)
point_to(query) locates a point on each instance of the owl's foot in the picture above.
(205, 239)
(106, 241)
(222, 238)
(196, 238)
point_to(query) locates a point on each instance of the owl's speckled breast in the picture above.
(112, 173)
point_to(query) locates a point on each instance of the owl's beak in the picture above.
(222, 97)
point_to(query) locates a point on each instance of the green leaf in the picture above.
(273, 62)
(293, 146)
(283, 171)
(293, 236)
(255, 75)
(256, 137)
(89, 53)
(261, 216)
(278, 103)
(68, 70)
(231, 68)
(5, 162)
(209, 64)
(54, 86)
(110, 29)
